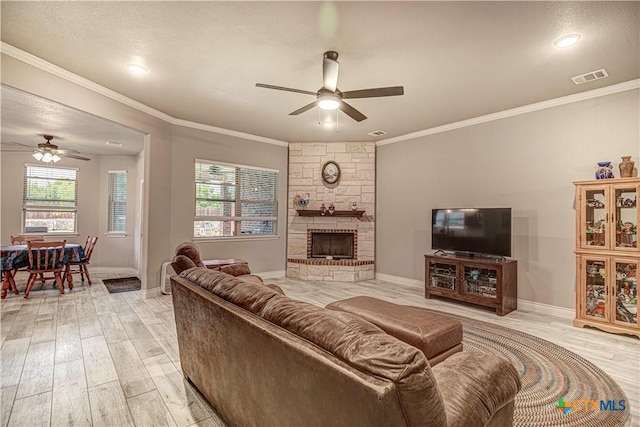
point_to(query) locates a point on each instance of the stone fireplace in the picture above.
(339, 246)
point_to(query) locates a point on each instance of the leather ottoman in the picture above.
(438, 337)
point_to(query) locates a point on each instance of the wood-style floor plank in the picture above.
(97, 361)
(148, 409)
(31, 411)
(108, 406)
(37, 374)
(70, 395)
(182, 402)
(134, 378)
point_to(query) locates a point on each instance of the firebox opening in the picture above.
(335, 245)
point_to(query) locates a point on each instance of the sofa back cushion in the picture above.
(349, 338)
(191, 251)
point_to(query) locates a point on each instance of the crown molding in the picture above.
(50, 68)
(88, 84)
(608, 90)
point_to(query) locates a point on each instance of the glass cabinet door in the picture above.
(594, 224)
(595, 297)
(626, 293)
(443, 276)
(626, 217)
(480, 281)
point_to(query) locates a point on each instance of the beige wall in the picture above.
(526, 162)
(92, 204)
(263, 253)
(167, 202)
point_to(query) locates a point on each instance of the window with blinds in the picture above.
(234, 200)
(50, 199)
(117, 215)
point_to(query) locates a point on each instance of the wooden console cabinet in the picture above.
(487, 282)
(607, 255)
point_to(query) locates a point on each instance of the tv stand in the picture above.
(483, 281)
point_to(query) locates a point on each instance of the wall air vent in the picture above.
(589, 77)
(377, 133)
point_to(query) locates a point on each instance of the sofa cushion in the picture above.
(181, 263)
(236, 269)
(248, 295)
(190, 250)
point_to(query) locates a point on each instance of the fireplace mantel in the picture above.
(311, 212)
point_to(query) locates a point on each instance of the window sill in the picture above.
(233, 238)
(53, 235)
(116, 235)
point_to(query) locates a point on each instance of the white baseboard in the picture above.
(550, 310)
(132, 271)
(531, 306)
(399, 280)
(271, 274)
(150, 293)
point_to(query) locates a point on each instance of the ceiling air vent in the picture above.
(377, 133)
(589, 77)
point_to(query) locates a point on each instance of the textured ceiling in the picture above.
(456, 60)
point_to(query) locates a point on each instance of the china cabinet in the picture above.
(607, 255)
(487, 282)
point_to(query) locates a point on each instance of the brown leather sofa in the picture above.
(262, 358)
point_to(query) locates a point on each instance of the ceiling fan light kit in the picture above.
(329, 97)
(328, 101)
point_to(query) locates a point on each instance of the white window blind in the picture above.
(49, 199)
(117, 215)
(234, 200)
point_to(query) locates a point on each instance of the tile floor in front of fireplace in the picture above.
(93, 358)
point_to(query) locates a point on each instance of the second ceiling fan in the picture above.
(329, 97)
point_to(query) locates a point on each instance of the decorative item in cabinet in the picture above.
(626, 167)
(604, 170)
(626, 293)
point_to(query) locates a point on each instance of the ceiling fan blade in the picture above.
(330, 68)
(74, 156)
(67, 152)
(24, 145)
(352, 112)
(288, 89)
(303, 109)
(373, 93)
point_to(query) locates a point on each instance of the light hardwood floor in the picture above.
(93, 358)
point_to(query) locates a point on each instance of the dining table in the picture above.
(15, 257)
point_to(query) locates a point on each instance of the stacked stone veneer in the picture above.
(357, 184)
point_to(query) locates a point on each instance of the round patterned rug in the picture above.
(559, 388)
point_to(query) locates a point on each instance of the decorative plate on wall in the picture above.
(330, 172)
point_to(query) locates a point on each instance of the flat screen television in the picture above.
(472, 230)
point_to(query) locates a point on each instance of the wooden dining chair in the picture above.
(22, 239)
(45, 257)
(75, 267)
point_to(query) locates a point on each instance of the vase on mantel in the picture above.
(626, 167)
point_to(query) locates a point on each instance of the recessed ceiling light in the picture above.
(137, 68)
(567, 40)
(117, 144)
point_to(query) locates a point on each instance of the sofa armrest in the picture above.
(475, 386)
